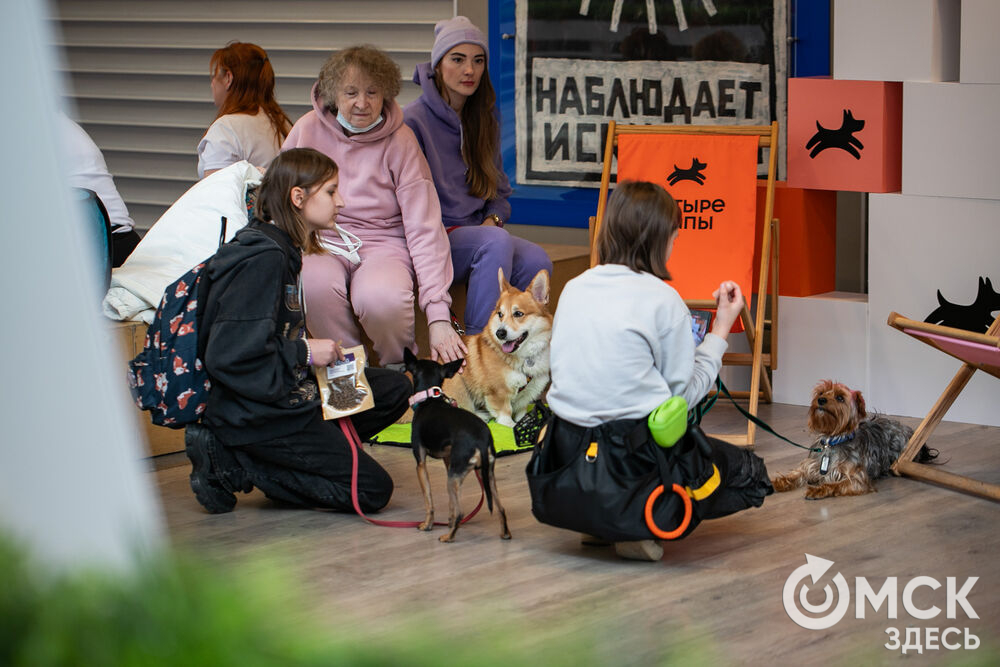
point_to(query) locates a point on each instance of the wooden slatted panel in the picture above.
(137, 73)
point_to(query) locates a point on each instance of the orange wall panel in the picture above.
(845, 135)
(807, 239)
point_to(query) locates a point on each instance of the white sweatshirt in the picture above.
(622, 344)
(87, 169)
(235, 137)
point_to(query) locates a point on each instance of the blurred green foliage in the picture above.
(171, 610)
(178, 609)
(182, 610)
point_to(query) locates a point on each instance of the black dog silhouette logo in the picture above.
(976, 316)
(842, 138)
(693, 173)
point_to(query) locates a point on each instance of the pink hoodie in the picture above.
(388, 192)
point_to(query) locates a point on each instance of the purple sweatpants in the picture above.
(476, 253)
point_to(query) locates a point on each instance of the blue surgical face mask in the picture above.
(356, 130)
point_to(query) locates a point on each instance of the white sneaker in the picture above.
(649, 550)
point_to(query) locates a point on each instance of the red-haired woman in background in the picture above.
(250, 125)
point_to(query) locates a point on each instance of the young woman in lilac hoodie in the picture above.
(392, 209)
(454, 120)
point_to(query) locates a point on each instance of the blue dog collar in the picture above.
(834, 440)
(829, 441)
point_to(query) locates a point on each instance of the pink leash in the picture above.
(347, 426)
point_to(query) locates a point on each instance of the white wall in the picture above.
(943, 231)
(919, 245)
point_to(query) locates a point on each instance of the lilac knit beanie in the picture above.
(450, 33)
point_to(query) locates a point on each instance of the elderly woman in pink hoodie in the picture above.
(391, 237)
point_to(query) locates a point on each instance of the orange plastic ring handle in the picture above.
(685, 522)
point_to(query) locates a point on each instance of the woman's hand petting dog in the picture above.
(446, 344)
(729, 305)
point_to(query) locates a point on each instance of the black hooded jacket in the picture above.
(250, 337)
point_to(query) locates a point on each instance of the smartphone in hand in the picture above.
(700, 321)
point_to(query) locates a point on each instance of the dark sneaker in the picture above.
(207, 487)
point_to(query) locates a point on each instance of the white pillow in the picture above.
(187, 233)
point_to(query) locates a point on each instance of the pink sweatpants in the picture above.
(378, 293)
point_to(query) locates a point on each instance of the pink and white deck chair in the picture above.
(977, 352)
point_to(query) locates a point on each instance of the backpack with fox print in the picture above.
(168, 377)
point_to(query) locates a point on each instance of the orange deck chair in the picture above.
(712, 172)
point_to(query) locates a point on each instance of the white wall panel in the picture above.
(951, 146)
(896, 40)
(821, 337)
(980, 52)
(918, 245)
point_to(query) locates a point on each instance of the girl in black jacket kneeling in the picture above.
(263, 426)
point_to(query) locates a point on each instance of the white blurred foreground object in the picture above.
(72, 483)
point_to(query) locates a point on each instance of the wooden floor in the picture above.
(720, 588)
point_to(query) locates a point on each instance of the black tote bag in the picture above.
(602, 489)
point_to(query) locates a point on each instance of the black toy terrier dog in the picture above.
(456, 436)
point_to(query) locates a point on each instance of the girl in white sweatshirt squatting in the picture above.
(622, 344)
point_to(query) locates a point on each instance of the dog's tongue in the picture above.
(509, 346)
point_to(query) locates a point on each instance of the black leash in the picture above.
(706, 404)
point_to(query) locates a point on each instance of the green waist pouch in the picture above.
(668, 422)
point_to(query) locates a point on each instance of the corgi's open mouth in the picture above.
(509, 346)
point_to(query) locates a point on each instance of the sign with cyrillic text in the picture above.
(580, 65)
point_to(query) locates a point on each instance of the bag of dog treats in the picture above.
(343, 386)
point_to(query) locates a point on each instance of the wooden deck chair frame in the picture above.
(760, 384)
(905, 464)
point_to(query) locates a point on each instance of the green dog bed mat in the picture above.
(503, 438)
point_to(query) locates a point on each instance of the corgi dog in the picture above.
(507, 367)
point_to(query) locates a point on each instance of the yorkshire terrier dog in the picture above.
(855, 448)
